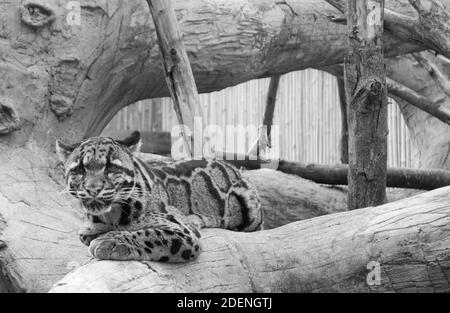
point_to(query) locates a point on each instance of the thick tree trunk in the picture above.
(365, 85)
(385, 248)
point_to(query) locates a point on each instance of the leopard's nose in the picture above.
(94, 186)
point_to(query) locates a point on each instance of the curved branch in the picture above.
(418, 101)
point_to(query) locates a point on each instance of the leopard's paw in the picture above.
(112, 248)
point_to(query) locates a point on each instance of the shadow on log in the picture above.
(409, 240)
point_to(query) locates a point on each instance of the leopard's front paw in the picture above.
(112, 248)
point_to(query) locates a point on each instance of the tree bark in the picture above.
(343, 143)
(179, 76)
(437, 109)
(365, 80)
(333, 253)
(429, 26)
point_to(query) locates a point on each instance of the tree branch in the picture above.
(337, 174)
(441, 79)
(431, 30)
(418, 101)
(179, 77)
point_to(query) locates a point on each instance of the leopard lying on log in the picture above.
(153, 210)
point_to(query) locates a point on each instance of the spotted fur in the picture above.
(153, 210)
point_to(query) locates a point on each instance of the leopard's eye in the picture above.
(77, 172)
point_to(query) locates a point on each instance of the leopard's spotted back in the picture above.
(213, 190)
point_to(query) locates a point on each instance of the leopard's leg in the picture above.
(165, 238)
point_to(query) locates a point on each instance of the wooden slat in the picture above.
(297, 98)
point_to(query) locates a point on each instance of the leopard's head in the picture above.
(99, 171)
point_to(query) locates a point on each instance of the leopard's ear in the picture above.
(63, 150)
(132, 142)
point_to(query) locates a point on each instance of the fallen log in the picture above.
(398, 247)
(337, 174)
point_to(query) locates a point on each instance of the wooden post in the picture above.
(270, 106)
(343, 144)
(264, 137)
(365, 79)
(178, 71)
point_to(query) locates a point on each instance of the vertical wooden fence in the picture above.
(307, 114)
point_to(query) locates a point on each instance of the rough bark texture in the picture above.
(434, 24)
(429, 26)
(333, 253)
(343, 143)
(178, 73)
(365, 84)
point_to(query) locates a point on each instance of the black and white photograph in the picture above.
(224, 153)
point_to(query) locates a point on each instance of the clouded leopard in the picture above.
(153, 210)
